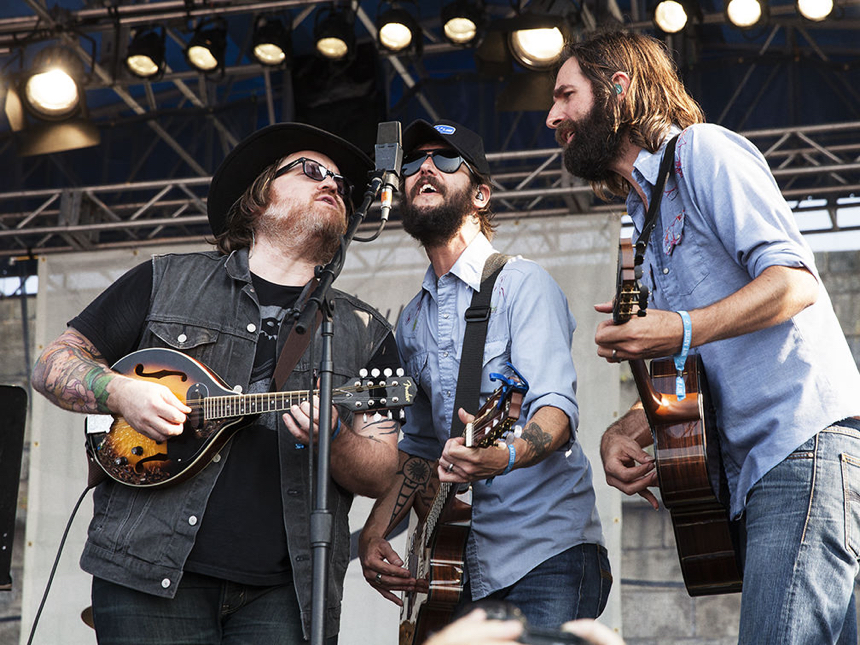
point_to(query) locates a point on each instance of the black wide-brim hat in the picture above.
(266, 146)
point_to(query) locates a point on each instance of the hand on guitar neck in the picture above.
(656, 335)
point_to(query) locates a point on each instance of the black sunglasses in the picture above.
(316, 171)
(445, 161)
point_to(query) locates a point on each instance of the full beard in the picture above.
(595, 145)
(311, 231)
(435, 226)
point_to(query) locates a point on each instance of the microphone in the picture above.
(389, 159)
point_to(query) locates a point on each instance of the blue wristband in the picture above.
(512, 457)
(336, 430)
(681, 359)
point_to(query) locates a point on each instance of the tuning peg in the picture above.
(389, 415)
(357, 384)
(362, 372)
(402, 415)
(387, 371)
(400, 371)
(364, 417)
(375, 372)
(377, 416)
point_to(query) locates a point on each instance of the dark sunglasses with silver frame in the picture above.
(446, 161)
(316, 171)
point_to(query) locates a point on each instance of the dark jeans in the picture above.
(573, 584)
(205, 611)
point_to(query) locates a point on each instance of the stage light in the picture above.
(271, 42)
(746, 13)
(538, 40)
(51, 90)
(46, 107)
(145, 55)
(205, 50)
(334, 33)
(814, 10)
(460, 22)
(397, 30)
(670, 16)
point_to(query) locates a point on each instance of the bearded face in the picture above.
(308, 226)
(595, 145)
(436, 224)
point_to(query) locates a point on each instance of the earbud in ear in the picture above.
(479, 197)
(618, 88)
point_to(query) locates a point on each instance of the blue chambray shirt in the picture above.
(722, 222)
(530, 514)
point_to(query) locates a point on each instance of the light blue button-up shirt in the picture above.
(722, 222)
(530, 514)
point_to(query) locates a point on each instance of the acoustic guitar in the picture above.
(217, 412)
(686, 451)
(437, 546)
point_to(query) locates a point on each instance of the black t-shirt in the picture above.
(242, 536)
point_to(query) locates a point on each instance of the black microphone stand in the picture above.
(321, 518)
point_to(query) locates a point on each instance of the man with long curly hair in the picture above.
(731, 278)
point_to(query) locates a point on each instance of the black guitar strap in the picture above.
(654, 207)
(296, 343)
(472, 355)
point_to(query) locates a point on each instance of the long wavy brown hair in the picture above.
(655, 99)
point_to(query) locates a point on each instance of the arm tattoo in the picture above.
(417, 476)
(73, 375)
(379, 428)
(537, 441)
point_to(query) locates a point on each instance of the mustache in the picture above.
(428, 179)
(563, 131)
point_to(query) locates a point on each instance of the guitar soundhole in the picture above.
(140, 370)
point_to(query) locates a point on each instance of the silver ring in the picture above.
(379, 577)
(614, 353)
(449, 468)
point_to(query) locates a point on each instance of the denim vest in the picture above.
(204, 305)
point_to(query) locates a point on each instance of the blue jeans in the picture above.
(573, 584)
(802, 544)
(205, 611)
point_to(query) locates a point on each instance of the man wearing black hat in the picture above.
(224, 556)
(535, 538)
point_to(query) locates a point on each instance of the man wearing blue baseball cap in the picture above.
(223, 556)
(535, 538)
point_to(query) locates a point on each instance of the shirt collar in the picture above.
(648, 163)
(468, 267)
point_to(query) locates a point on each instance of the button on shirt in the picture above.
(530, 514)
(722, 222)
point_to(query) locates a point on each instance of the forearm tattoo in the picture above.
(538, 443)
(73, 375)
(417, 479)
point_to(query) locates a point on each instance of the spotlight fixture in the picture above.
(815, 10)
(334, 33)
(746, 13)
(47, 106)
(145, 55)
(271, 42)
(461, 21)
(670, 16)
(51, 89)
(397, 29)
(205, 50)
(538, 40)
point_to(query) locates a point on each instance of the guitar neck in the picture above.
(659, 407)
(223, 407)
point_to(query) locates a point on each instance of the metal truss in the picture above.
(816, 167)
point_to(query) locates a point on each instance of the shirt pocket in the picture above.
(417, 368)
